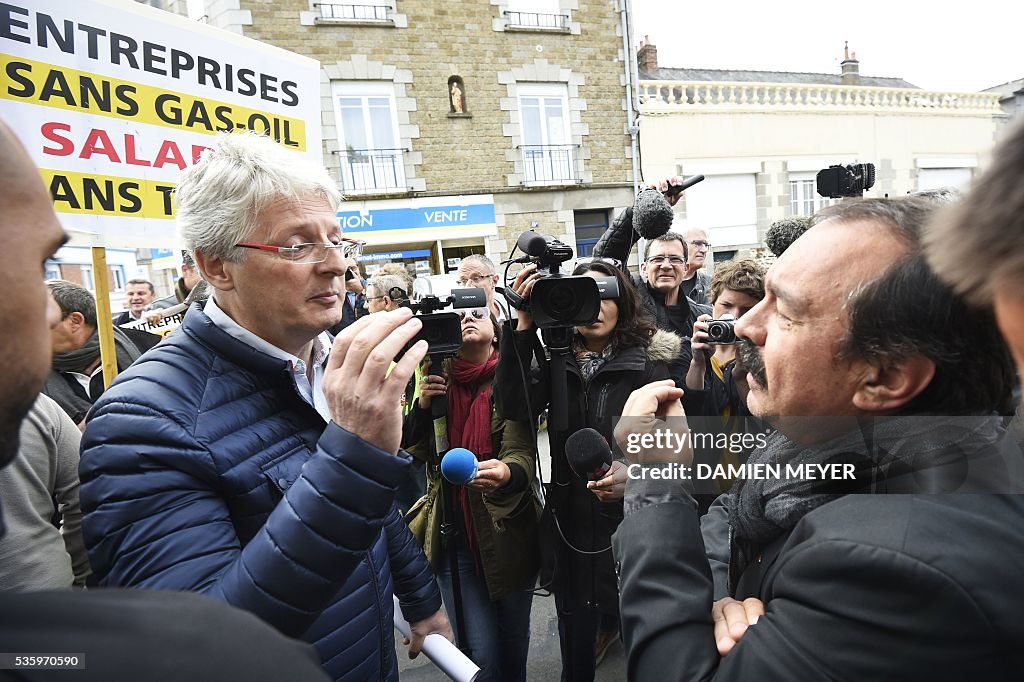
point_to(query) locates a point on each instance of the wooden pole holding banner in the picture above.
(101, 280)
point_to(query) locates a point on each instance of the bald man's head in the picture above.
(30, 233)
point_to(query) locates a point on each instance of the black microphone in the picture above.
(532, 244)
(589, 455)
(652, 216)
(686, 184)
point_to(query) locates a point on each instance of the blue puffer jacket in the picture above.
(203, 469)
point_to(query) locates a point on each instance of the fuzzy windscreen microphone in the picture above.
(652, 216)
(784, 232)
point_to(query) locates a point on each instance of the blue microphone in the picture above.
(459, 466)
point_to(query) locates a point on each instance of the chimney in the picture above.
(647, 55)
(851, 67)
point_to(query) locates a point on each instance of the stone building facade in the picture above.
(454, 126)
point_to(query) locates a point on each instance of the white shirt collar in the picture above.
(321, 344)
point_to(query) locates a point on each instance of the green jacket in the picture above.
(505, 525)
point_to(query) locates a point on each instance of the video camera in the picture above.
(443, 331)
(559, 300)
(846, 181)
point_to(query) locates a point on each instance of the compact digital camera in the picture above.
(722, 332)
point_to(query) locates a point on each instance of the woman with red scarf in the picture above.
(495, 514)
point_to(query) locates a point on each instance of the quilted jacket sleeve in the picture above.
(618, 240)
(415, 586)
(155, 517)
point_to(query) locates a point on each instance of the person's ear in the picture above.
(216, 271)
(75, 320)
(886, 387)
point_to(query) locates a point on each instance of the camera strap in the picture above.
(516, 301)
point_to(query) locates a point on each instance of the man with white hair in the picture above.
(696, 283)
(117, 634)
(477, 271)
(250, 458)
(385, 293)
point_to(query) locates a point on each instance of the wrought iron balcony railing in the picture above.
(372, 170)
(550, 163)
(348, 12)
(535, 20)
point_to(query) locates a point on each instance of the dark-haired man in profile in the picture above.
(116, 634)
(76, 378)
(868, 362)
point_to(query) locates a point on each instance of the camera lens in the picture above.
(563, 303)
(721, 332)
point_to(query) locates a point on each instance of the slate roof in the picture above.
(730, 75)
(1005, 90)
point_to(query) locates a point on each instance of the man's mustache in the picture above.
(750, 358)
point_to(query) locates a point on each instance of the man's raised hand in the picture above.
(362, 396)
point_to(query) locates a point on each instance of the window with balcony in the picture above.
(368, 10)
(371, 157)
(535, 14)
(548, 154)
(804, 199)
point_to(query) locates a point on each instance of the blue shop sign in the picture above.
(415, 218)
(393, 255)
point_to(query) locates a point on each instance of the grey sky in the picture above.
(939, 45)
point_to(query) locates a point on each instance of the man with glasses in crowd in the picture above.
(660, 286)
(477, 271)
(249, 457)
(384, 293)
(696, 283)
(661, 282)
(117, 634)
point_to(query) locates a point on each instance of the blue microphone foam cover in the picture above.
(459, 466)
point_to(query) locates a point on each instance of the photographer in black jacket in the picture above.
(660, 281)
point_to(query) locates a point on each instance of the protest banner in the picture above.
(113, 99)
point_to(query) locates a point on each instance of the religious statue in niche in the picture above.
(456, 95)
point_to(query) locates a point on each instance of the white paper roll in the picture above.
(442, 653)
